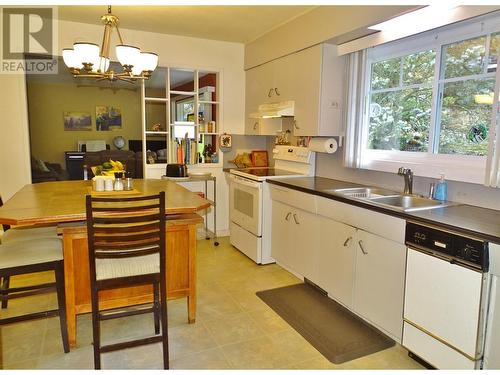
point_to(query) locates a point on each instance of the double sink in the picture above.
(390, 199)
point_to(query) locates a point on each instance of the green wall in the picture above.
(47, 102)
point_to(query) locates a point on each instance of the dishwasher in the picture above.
(447, 292)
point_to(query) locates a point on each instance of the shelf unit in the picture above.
(165, 103)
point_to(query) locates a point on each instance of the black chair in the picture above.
(126, 241)
(30, 256)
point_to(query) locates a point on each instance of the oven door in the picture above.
(245, 204)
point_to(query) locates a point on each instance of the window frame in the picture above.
(468, 168)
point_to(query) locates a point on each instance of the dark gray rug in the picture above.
(333, 330)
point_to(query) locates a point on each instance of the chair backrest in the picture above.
(125, 227)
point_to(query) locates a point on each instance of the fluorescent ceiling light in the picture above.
(419, 18)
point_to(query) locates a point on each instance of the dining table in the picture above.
(62, 204)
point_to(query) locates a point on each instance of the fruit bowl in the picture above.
(108, 168)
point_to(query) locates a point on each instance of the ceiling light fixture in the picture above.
(86, 60)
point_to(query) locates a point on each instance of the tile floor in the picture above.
(234, 328)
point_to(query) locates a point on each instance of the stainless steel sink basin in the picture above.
(363, 192)
(409, 203)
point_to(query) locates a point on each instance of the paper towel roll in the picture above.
(328, 145)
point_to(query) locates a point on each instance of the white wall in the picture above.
(174, 51)
(474, 194)
(15, 169)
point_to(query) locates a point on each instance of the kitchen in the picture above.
(299, 71)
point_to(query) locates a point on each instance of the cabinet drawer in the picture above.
(386, 226)
(304, 201)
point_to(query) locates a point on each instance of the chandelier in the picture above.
(87, 60)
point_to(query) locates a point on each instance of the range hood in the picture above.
(273, 110)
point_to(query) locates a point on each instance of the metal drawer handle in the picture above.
(346, 242)
(255, 125)
(295, 219)
(295, 124)
(288, 216)
(270, 92)
(276, 91)
(360, 243)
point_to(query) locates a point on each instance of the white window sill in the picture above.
(469, 169)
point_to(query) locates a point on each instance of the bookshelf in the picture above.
(182, 108)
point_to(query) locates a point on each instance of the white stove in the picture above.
(250, 200)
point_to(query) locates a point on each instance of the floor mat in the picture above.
(333, 330)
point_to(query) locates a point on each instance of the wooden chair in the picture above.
(21, 233)
(126, 241)
(29, 256)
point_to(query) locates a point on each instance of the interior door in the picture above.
(379, 281)
(336, 260)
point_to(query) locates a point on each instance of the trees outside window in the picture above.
(437, 100)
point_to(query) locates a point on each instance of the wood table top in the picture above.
(64, 201)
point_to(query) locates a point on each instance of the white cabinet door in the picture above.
(259, 81)
(307, 67)
(379, 281)
(336, 260)
(281, 250)
(285, 71)
(305, 241)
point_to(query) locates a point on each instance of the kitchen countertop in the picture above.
(468, 220)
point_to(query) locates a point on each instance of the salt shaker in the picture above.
(118, 181)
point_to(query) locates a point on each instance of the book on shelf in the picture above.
(185, 151)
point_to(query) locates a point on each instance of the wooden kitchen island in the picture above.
(62, 203)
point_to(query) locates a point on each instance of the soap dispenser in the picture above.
(441, 193)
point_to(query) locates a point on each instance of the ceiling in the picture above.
(241, 24)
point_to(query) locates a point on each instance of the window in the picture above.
(430, 104)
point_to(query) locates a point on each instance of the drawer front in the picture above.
(386, 226)
(433, 351)
(304, 201)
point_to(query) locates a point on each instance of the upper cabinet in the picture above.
(313, 78)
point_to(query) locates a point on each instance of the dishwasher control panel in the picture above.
(454, 247)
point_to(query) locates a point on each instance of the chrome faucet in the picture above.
(408, 176)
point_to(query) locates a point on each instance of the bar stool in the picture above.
(29, 256)
(22, 233)
(126, 241)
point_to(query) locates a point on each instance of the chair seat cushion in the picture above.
(28, 252)
(123, 267)
(27, 233)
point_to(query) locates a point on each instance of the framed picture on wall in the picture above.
(77, 121)
(108, 118)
